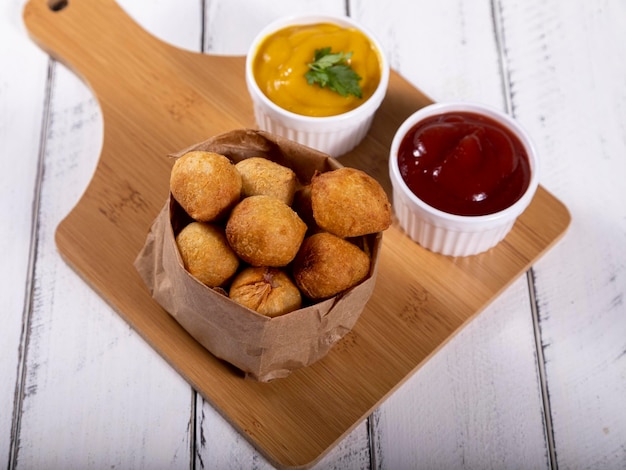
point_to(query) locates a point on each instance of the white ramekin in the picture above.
(334, 135)
(451, 234)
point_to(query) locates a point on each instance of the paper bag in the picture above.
(263, 348)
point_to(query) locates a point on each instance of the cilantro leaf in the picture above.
(332, 70)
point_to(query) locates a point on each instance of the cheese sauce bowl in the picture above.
(461, 175)
(287, 105)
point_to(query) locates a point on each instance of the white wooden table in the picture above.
(537, 380)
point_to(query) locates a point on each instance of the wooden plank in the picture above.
(218, 443)
(481, 390)
(570, 93)
(102, 235)
(20, 128)
(95, 396)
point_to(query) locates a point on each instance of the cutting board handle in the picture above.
(69, 31)
(191, 94)
(97, 39)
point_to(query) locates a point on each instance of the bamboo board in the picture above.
(157, 99)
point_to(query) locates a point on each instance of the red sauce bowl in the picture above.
(461, 175)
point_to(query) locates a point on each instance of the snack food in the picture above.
(268, 291)
(349, 203)
(327, 264)
(263, 176)
(206, 253)
(265, 231)
(263, 347)
(205, 184)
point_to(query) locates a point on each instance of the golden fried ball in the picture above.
(268, 291)
(206, 253)
(205, 184)
(327, 265)
(349, 203)
(264, 231)
(263, 176)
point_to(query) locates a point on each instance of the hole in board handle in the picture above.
(57, 5)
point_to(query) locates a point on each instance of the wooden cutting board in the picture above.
(157, 99)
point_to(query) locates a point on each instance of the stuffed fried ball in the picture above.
(327, 265)
(206, 185)
(262, 176)
(265, 231)
(206, 254)
(268, 291)
(349, 203)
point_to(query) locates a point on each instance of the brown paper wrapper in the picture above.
(263, 348)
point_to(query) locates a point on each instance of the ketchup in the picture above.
(464, 163)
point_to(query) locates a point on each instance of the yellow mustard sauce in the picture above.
(282, 59)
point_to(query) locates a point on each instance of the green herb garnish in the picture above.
(334, 71)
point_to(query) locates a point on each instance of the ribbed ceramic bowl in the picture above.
(451, 234)
(334, 135)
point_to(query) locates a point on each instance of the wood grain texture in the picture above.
(457, 412)
(20, 130)
(113, 411)
(570, 93)
(452, 58)
(230, 27)
(144, 118)
(457, 57)
(465, 407)
(475, 402)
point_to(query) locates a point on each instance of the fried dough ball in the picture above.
(268, 291)
(348, 203)
(327, 265)
(206, 253)
(263, 176)
(264, 231)
(205, 184)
